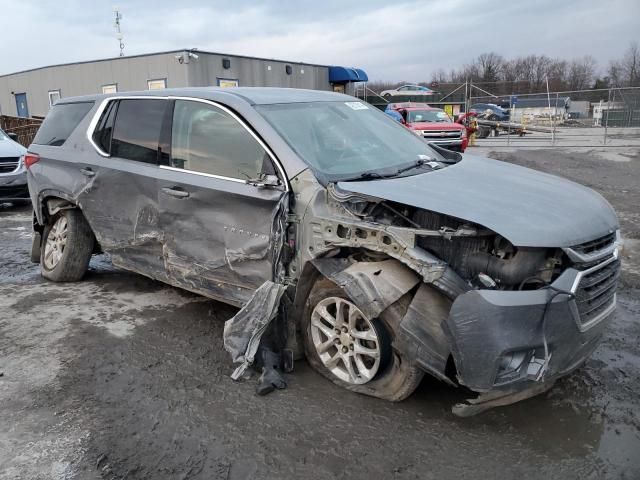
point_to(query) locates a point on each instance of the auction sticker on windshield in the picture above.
(356, 105)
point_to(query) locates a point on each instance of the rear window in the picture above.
(137, 130)
(61, 121)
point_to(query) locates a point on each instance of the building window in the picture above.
(54, 96)
(226, 63)
(302, 71)
(288, 69)
(158, 84)
(227, 82)
(113, 88)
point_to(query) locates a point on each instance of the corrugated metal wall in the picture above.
(132, 73)
(208, 68)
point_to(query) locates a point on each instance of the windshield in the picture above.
(343, 140)
(414, 116)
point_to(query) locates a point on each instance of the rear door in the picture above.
(222, 234)
(120, 195)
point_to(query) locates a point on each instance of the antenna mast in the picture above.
(116, 24)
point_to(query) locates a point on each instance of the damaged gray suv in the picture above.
(396, 258)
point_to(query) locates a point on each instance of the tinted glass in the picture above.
(104, 129)
(61, 122)
(206, 139)
(345, 139)
(137, 130)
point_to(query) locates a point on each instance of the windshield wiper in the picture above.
(375, 175)
(372, 175)
(418, 163)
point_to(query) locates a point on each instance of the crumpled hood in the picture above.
(529, 208)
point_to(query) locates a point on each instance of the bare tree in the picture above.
(615, 74)
(489, 66)
(630, 66)
(581, 73)
(557, 74)
(439, 76)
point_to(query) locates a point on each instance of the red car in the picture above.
(434, 124)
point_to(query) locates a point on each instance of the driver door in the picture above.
(220, 232)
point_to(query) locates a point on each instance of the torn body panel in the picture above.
(243, 332)
(377, 285)
(226, 233)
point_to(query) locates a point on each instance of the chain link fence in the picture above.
(579, 118)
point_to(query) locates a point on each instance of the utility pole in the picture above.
(116, 24)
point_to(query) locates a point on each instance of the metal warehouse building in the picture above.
(32, 92)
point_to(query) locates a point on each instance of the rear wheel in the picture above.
(353, 351)
(67, 245)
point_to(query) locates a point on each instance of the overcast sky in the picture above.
(391, 40)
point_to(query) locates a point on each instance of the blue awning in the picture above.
(347, 74)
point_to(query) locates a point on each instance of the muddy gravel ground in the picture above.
(121, 377)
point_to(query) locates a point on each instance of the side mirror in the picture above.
(264, 181)
(13, 136)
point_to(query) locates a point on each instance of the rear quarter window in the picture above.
(61, 121)
(136, 133)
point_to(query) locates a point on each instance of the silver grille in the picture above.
(442, 133)
(596, 292)
(8, 164)
(597, 279)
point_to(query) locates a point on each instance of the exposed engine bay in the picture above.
(481, 257)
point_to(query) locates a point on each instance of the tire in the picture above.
(483, 132)
(395, 377)
(67, 245)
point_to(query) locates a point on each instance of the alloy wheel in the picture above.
(346, 341)
(56, 243)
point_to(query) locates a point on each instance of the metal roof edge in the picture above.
(205, 52)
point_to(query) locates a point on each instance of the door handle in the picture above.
(87, 172)
(175, 192)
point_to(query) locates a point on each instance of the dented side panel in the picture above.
(128, 230)
(223, 236)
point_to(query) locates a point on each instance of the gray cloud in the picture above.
(390, 40)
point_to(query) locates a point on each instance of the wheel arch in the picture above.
(51, 202)
(381, 286)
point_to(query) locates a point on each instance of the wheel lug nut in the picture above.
(336, 340)
(344, 329)
(345, 349)
(338, 331)
(351, 347)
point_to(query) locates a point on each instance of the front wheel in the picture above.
(353, 351)
(67, 245)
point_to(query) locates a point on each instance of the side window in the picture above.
(61, 121)
(104, 129)
(137, 130)
(206, 139)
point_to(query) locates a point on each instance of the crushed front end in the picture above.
(512, 344)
